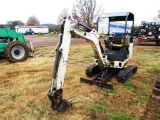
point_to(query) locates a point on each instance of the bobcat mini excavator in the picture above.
(109, 61)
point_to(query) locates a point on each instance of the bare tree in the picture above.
(2, 26)
(32, 21)
(87, 11)
(157, 18)
(64, 13)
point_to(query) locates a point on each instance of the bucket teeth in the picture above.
(66, 98)
(70, 101)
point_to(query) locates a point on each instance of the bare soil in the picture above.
(50, 41)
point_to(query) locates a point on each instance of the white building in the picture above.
(33, 29)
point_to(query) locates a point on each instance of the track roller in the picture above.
(92, 70)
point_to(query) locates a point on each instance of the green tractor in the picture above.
(13, 46)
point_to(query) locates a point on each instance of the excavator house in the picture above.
(109, 61)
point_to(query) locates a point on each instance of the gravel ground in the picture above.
(49, 41)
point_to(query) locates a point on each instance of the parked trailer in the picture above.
(157, 41)
(150, 29)
(28, 30)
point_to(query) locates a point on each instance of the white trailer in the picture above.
(32, 29)
(115, 27)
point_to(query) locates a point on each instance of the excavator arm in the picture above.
(61, 59)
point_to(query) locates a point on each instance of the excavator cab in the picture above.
(118, 17)
(117, 46)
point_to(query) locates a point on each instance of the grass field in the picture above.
(24, 87)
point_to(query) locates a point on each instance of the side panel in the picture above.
(115, 27)
(2, 47)
(23, 30)
(20, 37)
(41, 30)
(3, 32)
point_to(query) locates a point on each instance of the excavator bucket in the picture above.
(57, 103)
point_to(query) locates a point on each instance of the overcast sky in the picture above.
(47, 11)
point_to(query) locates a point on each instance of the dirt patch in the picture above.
(52, 41)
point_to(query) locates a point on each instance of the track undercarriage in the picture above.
(103, 75)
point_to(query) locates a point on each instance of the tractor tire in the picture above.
(146, 26)
(33, 33)
(16, 51)
(150, 33)
(158, 28)
(158, 36)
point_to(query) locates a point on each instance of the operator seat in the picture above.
(117, 42)
(117, 49)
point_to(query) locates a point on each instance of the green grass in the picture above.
(1, 104)
(45, 78)
(147, 53)
(100, 108)
(41, 110)
(116, 115)
(47, 49)
(97, 108)
(154, 69)
(131, 86)
(70, 78)
(8, 107)
(13, 97)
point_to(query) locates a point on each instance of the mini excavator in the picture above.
(109, 61)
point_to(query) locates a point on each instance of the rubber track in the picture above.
(126, 73)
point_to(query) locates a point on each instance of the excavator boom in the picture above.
(61, 59)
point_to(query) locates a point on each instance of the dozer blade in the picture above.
(57, 103)
(97, 83)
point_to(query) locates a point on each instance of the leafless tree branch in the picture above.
(64, 13)
(32, 21)
(87, 11)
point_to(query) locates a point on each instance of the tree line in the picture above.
(32, 21)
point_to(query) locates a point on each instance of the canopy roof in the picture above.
(120, 16)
